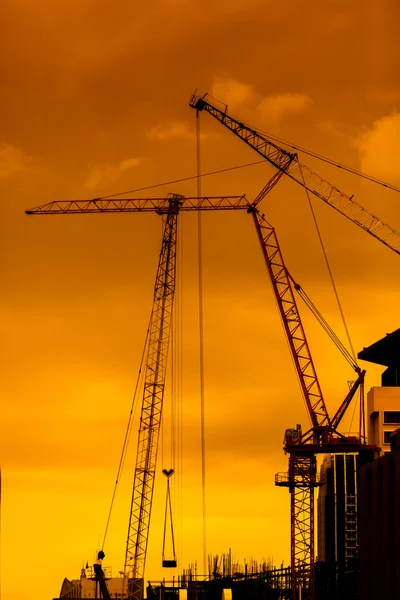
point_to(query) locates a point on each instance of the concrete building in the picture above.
(87, 587)
(337, 510)
(338, 503)
(383, 403)
(379, 525)
(383, 412)
(337, 525)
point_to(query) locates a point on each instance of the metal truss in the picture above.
(157, 205)
(291, 321)
(278, 157)
(302, 480)
(150, 419)
(302, 475)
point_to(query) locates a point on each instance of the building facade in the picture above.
(383, 415)
(383, 403)
(337, 511)
(379, 525)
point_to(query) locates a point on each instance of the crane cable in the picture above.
(321, 319)
(127, 433)
(328, 267)
(320, 157)
(176, 390)
(201, 353)
(352, 416)
(168, 516)
(275, 138)
(164, 183)
(179, 370)
(324, 159)
(331, 162)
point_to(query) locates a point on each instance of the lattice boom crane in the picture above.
(302, 448)
(289, 164)
(323, 437)
(157, 353)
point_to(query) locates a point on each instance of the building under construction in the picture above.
(272, 584)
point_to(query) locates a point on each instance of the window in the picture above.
(392, 417)
(386, 436)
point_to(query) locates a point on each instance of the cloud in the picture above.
(267, 109)
(173, 130)
(12, 160)
(232, 92)
(274, 108)
(105, 174)
(378, 147)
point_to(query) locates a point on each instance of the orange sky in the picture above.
(95, 101)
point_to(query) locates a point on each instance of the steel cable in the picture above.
(127, 434)
(329, 268)
(202, 411)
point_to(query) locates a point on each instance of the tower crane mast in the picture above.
(157, 353)
(153, 395)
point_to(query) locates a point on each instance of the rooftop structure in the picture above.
(386, 352)
(383, 403)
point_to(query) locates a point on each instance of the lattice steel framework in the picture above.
(157, 205)
(324, 190)
(301, 478)
(302, 474)
(291, 321)
(160, 327)
(302, 482)
(153, 394)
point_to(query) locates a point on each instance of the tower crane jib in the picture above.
(157, 351)
(278, 157)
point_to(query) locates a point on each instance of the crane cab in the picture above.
(293, 436)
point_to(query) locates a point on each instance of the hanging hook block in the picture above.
(168, 473)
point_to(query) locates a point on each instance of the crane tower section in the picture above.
(153, 394)
(292, 323)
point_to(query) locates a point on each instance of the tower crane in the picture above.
(323, 437)
(156, 362)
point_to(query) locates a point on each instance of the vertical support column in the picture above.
(302, 480)
(153, 395)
